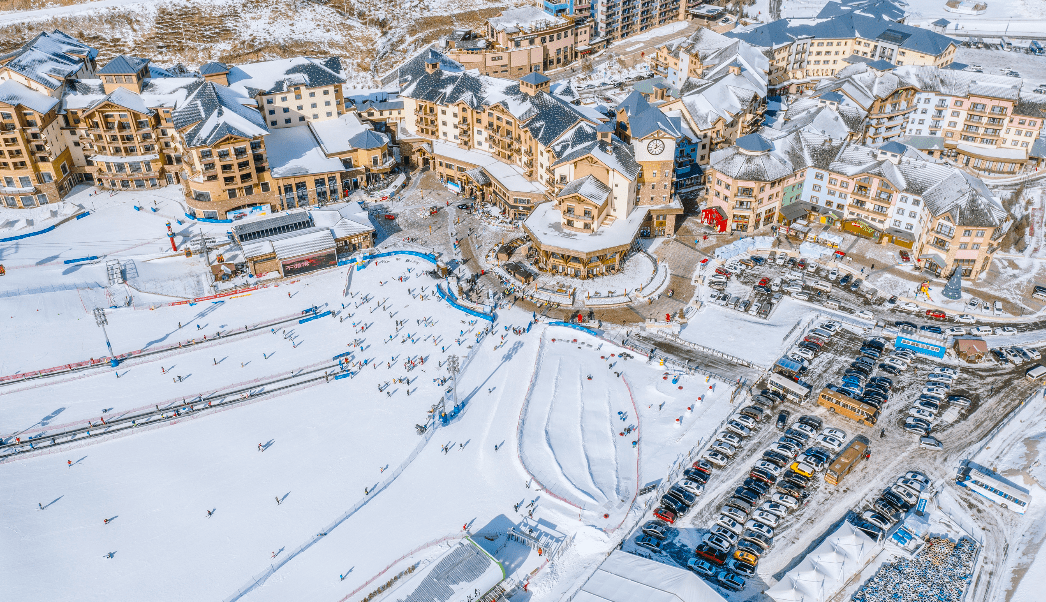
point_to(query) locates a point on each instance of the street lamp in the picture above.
(101, 320)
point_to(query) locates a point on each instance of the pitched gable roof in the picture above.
(123, 65)
(49, 58)
(213, 112)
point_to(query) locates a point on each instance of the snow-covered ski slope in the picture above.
(324, 445)
(572, 436)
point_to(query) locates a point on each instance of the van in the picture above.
(1036, 372)
(822, 285)
(997, 308)
(930, 443)
(831, 304)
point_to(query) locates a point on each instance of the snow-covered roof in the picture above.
(213, 112)
(346, 133)
(525, 20)
(123, 65)
(167, 92)
(214, 67)
(725, 96)
(588, 187)
(296, 152)
(810, 114)
(848, 25)
(881, 9)
(288, 245)
(344, 220)
(49, 58)
(545, 224)
(624, 577)
(615, 154)
(826, 569)
(511, 177)
(15, 94)
(273, 77)
(949, 82)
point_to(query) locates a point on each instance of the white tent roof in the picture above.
(626, 578)
(825, 570)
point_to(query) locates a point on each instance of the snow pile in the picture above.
(738, 247)
(814, 251)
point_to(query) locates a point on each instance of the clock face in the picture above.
(655, 147)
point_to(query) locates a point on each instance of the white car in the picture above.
(793, 288)
(774, 508)
(1005, 331)
(724, 448)
(815, 461)
(734, 513)
(833, 274)
(805, 428)
(760, 528)
(896, 362)
(715, 458)
(803, 353)
(940, 376)
(784, 451)
(997, 308)
(981, 331)
(830, 443)
(1032, 353)
(917, 476)
(937, 392)
(909, 306)
(739, 429)
(864, 314)
(802, 296)
(947, 370)
(730, 438)
(692, 486)
(905, 494)
(915, 486)
(839, 434)
(730, 524)
(830, 326)
(955, 331)
(905, 353)
(965, 318)
(785, 500)
(923, 413)
(745, 420)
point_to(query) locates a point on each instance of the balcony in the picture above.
(940, 244)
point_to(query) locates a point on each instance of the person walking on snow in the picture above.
(209, 513)
(277, 500)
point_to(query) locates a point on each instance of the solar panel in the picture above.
(893, 36)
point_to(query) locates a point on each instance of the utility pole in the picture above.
(101, 320)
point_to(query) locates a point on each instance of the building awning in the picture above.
(478, 176)
(993, 153)
(902, 234)
(934, 257)
(796, 210)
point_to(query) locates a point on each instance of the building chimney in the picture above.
(431, 65)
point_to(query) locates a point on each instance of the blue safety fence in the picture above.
(83, 215)
(208, 220)
(365, 258)
(584, 329)
(82, 259)
(450, 298)
(341, 355)
(316, 317)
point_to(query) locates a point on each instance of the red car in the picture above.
(802, 264)
(936, 314)
(723, 272)
(816, 340)
(905, 257)
(710, 554)
(666, 515)
(389, 216)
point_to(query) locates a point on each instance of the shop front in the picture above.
(859, 227)
(310, 263)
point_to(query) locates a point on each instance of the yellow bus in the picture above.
(846, 461)
(848, 407)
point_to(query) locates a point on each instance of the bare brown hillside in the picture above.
(371, 36)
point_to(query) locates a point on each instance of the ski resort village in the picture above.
(610, 301)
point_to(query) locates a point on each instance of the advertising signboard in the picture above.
(311, 263)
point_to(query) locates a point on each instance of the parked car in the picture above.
(876, 519)
(717, 542)
(730, 581)
(666, 515)
(740, 430)
(981, 331)
(763, 529)
(774, 508)
(765, 517)
(742, 567)
(712, 555)
(960, 400)
(965, 319)
(731, 438)
(650, 543)
(681, 494)
(830, 442)
(930, 443)
(782, 419)
(655, 528)
(716, 458)
(728, 522)
(674, 505)
(701, 567)
(769, 467)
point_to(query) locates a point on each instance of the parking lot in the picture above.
(993, 389)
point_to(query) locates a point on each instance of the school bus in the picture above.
(846, 461)
(848, 407)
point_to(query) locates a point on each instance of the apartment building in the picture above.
(727, 103)
(520, 41)
(35, 162)
(289, 92)
(704, 50)
(982, 122)
(619, 19)
(885, 94)
(121, 123)
(803, 54)
(890, 194)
